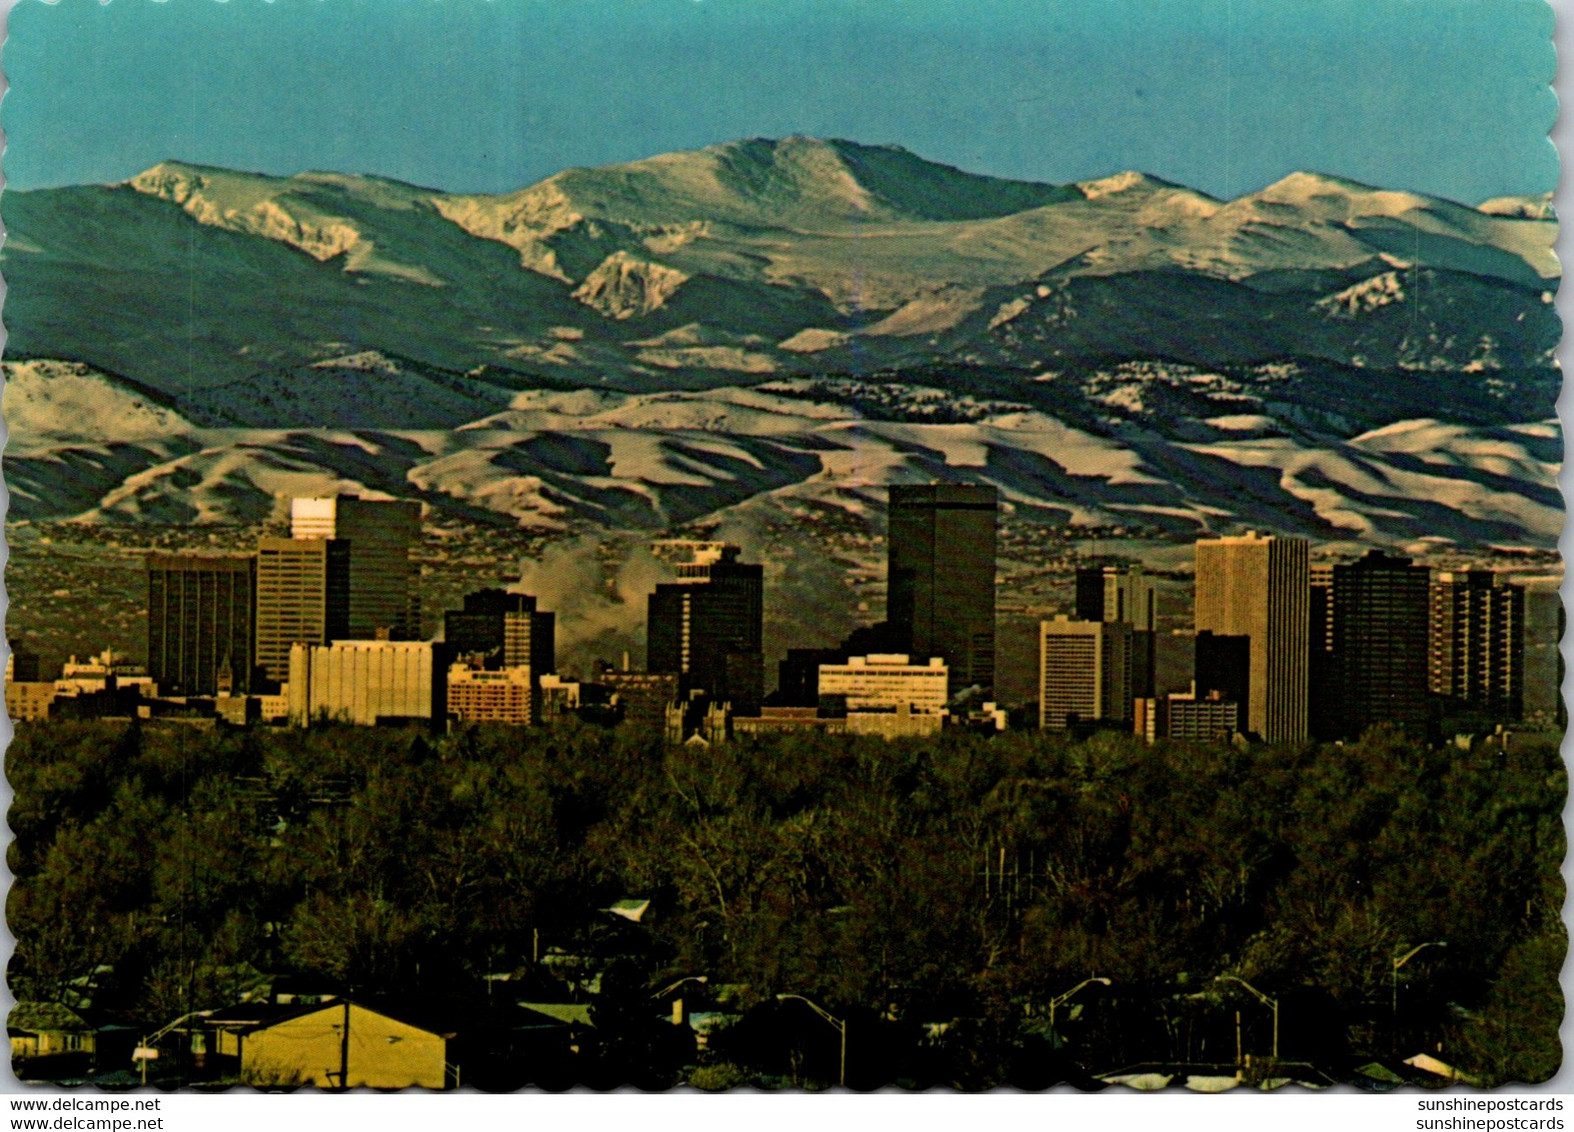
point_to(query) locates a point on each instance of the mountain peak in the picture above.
(1130, 181)
(1305, 184)
(796, 182)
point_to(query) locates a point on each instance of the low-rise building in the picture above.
(886, 682)
(1202, 720)
(1187, 716)
(366, 682)
(503, 695)
(901, 723)
(772, 720)
(559, 697)
(274, 708)
(27, 701)
(48, 1030)
(643, 696)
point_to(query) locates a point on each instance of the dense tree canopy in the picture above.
(961, 882)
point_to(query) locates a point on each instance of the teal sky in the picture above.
(1442, 96)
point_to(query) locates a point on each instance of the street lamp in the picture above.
(1267, 1000)
(145, 1052)
(666, 990)
(840, 1024)
(1056, 1002)
(1398, 962)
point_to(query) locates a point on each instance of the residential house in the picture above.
(337, 1044)
(48, 1033)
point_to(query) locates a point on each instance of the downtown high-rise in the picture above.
(200, 622)
(1128, 596)
(503, 629)
(1476, 643)
(1380, 624)
(1084, 673)
(941, 581)
(380, 534)
(1257, 587)
(303, 597)
(707, 627)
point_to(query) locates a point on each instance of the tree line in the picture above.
(938, 893)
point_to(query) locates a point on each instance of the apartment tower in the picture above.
(1084, 672)
(1476, 649)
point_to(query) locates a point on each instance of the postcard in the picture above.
(783, 545)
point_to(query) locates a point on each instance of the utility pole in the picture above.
(344, 1050)
(1399, 961)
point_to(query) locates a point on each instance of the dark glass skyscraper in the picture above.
(505, 628)
(1380, 627)
(199, 621)
(380, 534)
(707, 628)
(941, 596)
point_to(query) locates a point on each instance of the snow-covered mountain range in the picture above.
(797, 322)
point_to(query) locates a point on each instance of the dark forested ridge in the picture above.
(936, 895)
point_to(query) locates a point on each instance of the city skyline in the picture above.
(1280, 651)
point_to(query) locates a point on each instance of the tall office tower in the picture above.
(380, 534)
(303, 597)
(200, 610)
(707, 627)
(1322, 675)
(1381, 616)
(1110, 593)
(1257, 587)
(1477, 643)
(941, 578)
(1083, 672)
(505, 628)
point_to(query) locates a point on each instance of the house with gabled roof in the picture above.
(48, 1032)
(332, 1045)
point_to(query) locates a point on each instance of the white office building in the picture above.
(364, 682)
(887, 682)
